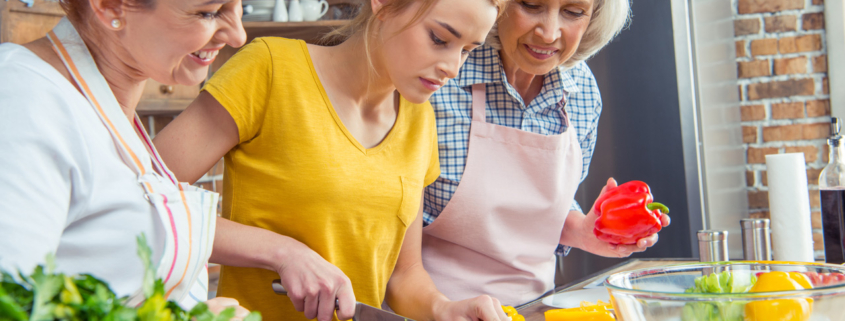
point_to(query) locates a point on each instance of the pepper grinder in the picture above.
(295, 11)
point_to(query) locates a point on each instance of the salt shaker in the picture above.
(756, 239)
(713, 246)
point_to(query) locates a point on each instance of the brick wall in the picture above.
(782, 69)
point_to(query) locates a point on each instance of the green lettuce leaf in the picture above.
(724, 282)
(44, 295)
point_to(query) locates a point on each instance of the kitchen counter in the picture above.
(533, 311)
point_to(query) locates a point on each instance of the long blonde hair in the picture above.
(366, 19)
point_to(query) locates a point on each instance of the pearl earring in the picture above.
(115, 23)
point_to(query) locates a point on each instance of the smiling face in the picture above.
(539, 35)
(420, 58)
(175, 41)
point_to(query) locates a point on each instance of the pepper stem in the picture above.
(655, 205)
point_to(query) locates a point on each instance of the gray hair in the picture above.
(608, 19)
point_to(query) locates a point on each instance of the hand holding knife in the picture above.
(362, 311)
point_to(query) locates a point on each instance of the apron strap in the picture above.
(156, 158)
(83, 69)
(479, 102)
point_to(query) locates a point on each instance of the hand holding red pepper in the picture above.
(579, 228)
(627, 214)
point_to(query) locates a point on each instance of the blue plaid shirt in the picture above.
(574, 89)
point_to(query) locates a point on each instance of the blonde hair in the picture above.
(608, 19)
(366, 19)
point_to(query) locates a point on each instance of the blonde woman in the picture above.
(516, 131)
(327, 152)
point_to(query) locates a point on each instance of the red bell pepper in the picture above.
(627, 214)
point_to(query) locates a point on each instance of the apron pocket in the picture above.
(411, 196)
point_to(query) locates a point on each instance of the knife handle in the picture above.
(279, 289)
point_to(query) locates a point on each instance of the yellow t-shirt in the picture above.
(297, 171)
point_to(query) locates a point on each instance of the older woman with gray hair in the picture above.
(516, 130)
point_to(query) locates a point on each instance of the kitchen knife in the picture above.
(363, 312)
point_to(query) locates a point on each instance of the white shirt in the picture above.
(63, 186)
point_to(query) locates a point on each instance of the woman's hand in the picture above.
(217, 305)
(483, 307)
(314, 285)
(588, 242)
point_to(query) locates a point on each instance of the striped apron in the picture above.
(188, 213)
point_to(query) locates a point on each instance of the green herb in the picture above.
(724, 282)
(44, 295)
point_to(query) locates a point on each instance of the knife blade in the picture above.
(363, 312)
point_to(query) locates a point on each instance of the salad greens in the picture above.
(724, 282)
(44, 295)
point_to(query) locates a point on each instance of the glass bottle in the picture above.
(832, 194)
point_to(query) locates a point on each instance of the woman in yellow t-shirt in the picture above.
(325, 162)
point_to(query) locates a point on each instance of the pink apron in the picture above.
(188, 213)
(499, 232)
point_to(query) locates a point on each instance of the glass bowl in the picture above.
(658, 294)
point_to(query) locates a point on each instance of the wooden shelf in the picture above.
(21, 24)
(253, 25)
(309, 31)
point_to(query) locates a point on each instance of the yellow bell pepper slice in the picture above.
(802, 279)
(511, 312)
(598, 305)
(577, 314)
(780, 309)
(599, 311)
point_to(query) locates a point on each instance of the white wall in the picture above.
(714, 114)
